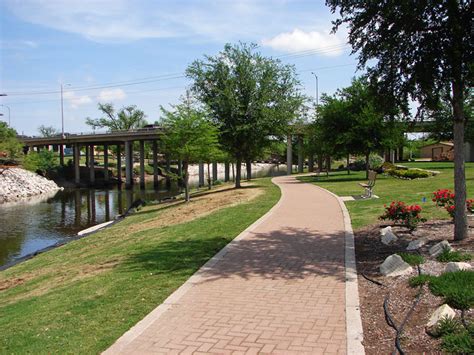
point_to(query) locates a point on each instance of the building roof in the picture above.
(448, 144)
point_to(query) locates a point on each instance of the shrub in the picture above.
(375, 161)
(451, 255)
(412, 259)
(419, 280)
(445, 198)
(459, 343)
(387, 166)
(409, 174)
(43, 161)
(457, 288)
(408, 215)
(446, 326)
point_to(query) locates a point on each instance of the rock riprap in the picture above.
(457, 266)
(437, 249)
(439, 314)
(387, 236)
(17, 184)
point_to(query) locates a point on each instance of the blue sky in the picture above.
(102, 48)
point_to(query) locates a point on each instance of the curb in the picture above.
(174, 298)
(354, 330)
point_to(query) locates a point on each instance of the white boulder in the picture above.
(416, 244)
(395, 266)
(440, 313)
(437, 249)
(454, 266)
(387, 236)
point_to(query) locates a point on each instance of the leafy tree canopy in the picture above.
(126, 118)
(252, 99)
(48, 131)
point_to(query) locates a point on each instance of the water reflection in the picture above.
(37, 223)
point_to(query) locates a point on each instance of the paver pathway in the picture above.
(277, 289)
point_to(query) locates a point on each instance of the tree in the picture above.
(251, 98)
(126, 118)
(422, 50)
(190, 136)
(9, 142)
(47, 131)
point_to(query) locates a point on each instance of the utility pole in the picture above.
(62, 112)
(317, 94)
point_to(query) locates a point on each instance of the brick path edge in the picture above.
(354, 330)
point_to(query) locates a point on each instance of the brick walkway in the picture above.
(277, 289)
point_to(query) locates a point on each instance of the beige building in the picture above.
(438, 151)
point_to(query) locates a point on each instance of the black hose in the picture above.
(372, 280)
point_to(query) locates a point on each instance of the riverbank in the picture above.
(17, 184)
(82, 296)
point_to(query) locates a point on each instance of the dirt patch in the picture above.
(199, 206)
(8, 283)
(379, 337)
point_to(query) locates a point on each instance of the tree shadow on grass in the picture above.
(315, 179)
(289, 253)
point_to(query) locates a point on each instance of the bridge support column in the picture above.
(86, 147)
(106, 163)
(214, 171)
(77, 159)
(226, 171)
(91, 164)
(119, 164)
(155, 163)
(128, 164)
(300, 154)
(289, 155)
(61, 154)
(201, 174)
(142, 164)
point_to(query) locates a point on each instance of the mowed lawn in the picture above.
(81, 297)
(365, 212)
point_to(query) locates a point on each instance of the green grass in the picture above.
(365, 212)
(81, 297)
(457, 288)
(412, 259)
(452, 255)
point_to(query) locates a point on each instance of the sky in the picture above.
(135, 52)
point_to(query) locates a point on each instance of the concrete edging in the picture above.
(174, 298)
(354, 330)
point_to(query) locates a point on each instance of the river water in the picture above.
(37, 223)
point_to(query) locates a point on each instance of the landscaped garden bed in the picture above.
(379, 337)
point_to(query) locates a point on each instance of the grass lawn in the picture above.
(81, 297)
(364, 212)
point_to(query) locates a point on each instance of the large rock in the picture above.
(457, 266)
(395, 266)
(440, 313)
(437, 249)
(387, 236)
(416, 244)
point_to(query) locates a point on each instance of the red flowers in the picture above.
(408, 215)
(445, 198)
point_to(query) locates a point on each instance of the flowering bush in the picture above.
(445, 198)
(408, 215)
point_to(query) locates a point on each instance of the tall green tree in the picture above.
(48, 131)
(422, 49)
(190, 136)
(252, 99)
(126, 118)
(9, 143)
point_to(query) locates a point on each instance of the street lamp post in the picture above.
(9, 123)
(317, 94)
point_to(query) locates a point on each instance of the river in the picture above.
(40, 222)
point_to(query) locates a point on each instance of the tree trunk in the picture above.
(367, 164)
(460, 219)
(248, 166)
(320, 162)
(328, 164)
(238, 168)
(311, 163)
(233, 172)
(186, 180)
(347, 164)
(209, 179)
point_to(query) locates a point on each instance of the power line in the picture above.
(171, 76)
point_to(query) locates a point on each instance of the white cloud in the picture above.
(111, 95)
(298, 40)
(76, 100)
(128, 20)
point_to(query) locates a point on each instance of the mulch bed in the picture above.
(379, 337)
